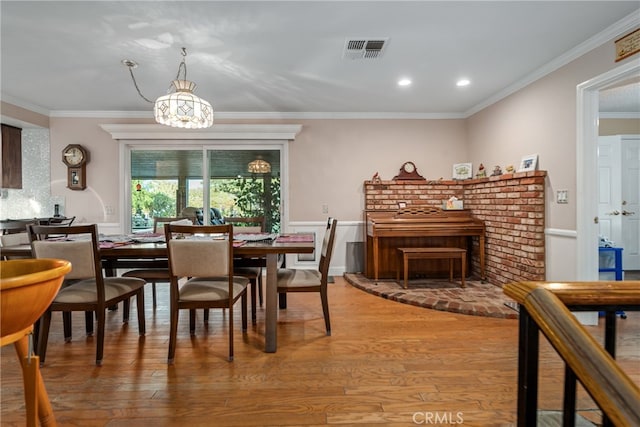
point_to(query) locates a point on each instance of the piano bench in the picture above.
(407, 254)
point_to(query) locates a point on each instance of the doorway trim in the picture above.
(586, 166)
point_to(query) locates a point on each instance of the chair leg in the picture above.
(126, 306)
(140, 305)
(282, 300)
(206, 316)
(260, 288)
(173, 333)
(254, 284)
(88, 322)
(66, 325)
(45, 324)
(153, 295)
(230, 323)
(192, 321)
(100, 335)
(244, 312)
(36, 335)
(325, 310)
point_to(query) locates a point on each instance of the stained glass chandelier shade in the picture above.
(183, 108)
(180, 108)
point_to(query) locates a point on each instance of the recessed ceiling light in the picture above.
(463, 82)
(404, 82)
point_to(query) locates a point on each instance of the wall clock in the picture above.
(408, 170)
(76, 157)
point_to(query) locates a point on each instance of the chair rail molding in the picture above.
(219, 131)
(560, 232)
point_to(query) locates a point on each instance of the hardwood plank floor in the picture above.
(386, 363)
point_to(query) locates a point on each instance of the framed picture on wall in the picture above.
(528, 163)
(462, 171)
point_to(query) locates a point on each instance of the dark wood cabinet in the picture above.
(11, 157)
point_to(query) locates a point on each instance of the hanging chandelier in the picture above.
(259, 166)
(180, 107)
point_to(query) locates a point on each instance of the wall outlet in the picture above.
(325, 209)
(562, 196)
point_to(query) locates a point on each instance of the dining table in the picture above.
(121, 254)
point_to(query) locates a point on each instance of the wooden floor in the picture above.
(386, 363)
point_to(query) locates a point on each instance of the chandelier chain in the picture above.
(136, 86)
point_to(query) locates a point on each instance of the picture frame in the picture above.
(462, 171)
(528, 163)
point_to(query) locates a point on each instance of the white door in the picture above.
(609, 196)
(630, 205)
(619, 195)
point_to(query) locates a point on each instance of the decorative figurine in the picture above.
(497, 171)
(482, 173)
(510, 169)
(376, 178)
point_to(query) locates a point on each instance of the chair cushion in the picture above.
(211, 288)
(290, 278)
(84, 291)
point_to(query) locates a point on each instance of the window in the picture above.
(170, 182)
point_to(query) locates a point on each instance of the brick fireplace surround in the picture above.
(511, 205)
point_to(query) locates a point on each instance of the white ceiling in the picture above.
(286, 58)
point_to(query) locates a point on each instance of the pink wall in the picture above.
(541, 118)
(328, 161)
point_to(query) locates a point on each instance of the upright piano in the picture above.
(418, 226)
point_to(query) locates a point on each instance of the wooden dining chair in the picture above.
(249, 267)
(57, 220)
(155, 275)
(202, 258)
(88, 290)
(308, 280)
(13, 240)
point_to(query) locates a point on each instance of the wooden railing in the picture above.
(545, 307)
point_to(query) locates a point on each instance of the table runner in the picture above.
(295, 238)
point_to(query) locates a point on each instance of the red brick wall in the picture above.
(511, 205)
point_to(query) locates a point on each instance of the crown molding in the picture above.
(613, 31)
(221, 131)
(22, 104)
(264, 115)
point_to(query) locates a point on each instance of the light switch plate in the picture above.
(562, 196)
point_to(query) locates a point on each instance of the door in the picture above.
(630, 204)
(619, 194)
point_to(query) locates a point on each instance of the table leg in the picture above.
(375, 258)
(405, 264)
(271, 310)
(463, 267)
(483, 276)
(37, 400)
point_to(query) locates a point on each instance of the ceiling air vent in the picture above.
(364, 48)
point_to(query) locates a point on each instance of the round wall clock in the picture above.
(75, 157)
